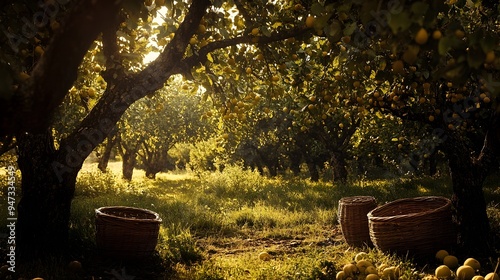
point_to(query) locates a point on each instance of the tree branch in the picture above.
(101, 120)
(30, 110)
(201, 57)
(111, 51)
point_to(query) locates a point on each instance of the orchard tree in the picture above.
(41, 62)
(435, 63)
(384, 143)
(172, 116)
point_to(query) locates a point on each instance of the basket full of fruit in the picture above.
(126, 232)
(417, 226)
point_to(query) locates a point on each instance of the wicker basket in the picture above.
(353, 220)
(416, 226)
(126, 232)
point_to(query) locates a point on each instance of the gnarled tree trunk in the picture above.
(339, 167)
(129, 158)
(468, 173)
(103, 161)
(44, 209)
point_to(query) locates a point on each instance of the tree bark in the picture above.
(44, 209)
(468, 173)
(313, 170)
(295, 158)
(103, 161)
(129, 160)
(433, 159)
(339, 167)
(31, 109)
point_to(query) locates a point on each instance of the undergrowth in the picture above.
(216, 225)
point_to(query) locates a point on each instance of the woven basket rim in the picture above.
(100, 213)
(373, 217)
(357, 199)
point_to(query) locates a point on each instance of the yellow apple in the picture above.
(75, 266)
(350, 269)
(264, 256)
(473, 263)
(443, 272)
(372, 276)
(450, 260)
(492, 276)
(465, 272)
(362, 265)
(422, 36)
(310, 21)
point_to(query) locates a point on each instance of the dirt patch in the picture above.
(276, 245)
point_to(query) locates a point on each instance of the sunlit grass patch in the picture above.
(262, 216)
(215, 225)
(311, 264)
(177, 245)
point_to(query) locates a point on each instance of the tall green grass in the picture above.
(215, 225)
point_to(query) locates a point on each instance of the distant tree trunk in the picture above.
(468, 174)
(313, 170)
(151, 174)
(152, 167)
(295, 162)
(103, 161)
(273, 170)
(47, 191)
(260, 168)
(433, 163)
(129, 158)
(339, 167)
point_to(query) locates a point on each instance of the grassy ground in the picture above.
(215, 226)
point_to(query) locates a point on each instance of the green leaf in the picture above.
(277, 24)
(400, 22)
(334, 31)
(330, 8)
(210, 58)
(266, 32)
(321, 22)
(317, 9)
(475, 57)
(445, 44)
(448, 42)
(455, 72)
(489, 42)
(419, 9)
(349, 29)
(344, 7)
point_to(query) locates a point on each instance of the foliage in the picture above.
(393, 145)
(93, 184)
(232, 181)
(207, 155)
(153, 126)
(180, 154)
(176, 245)
(215, 226)
(284, 76)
